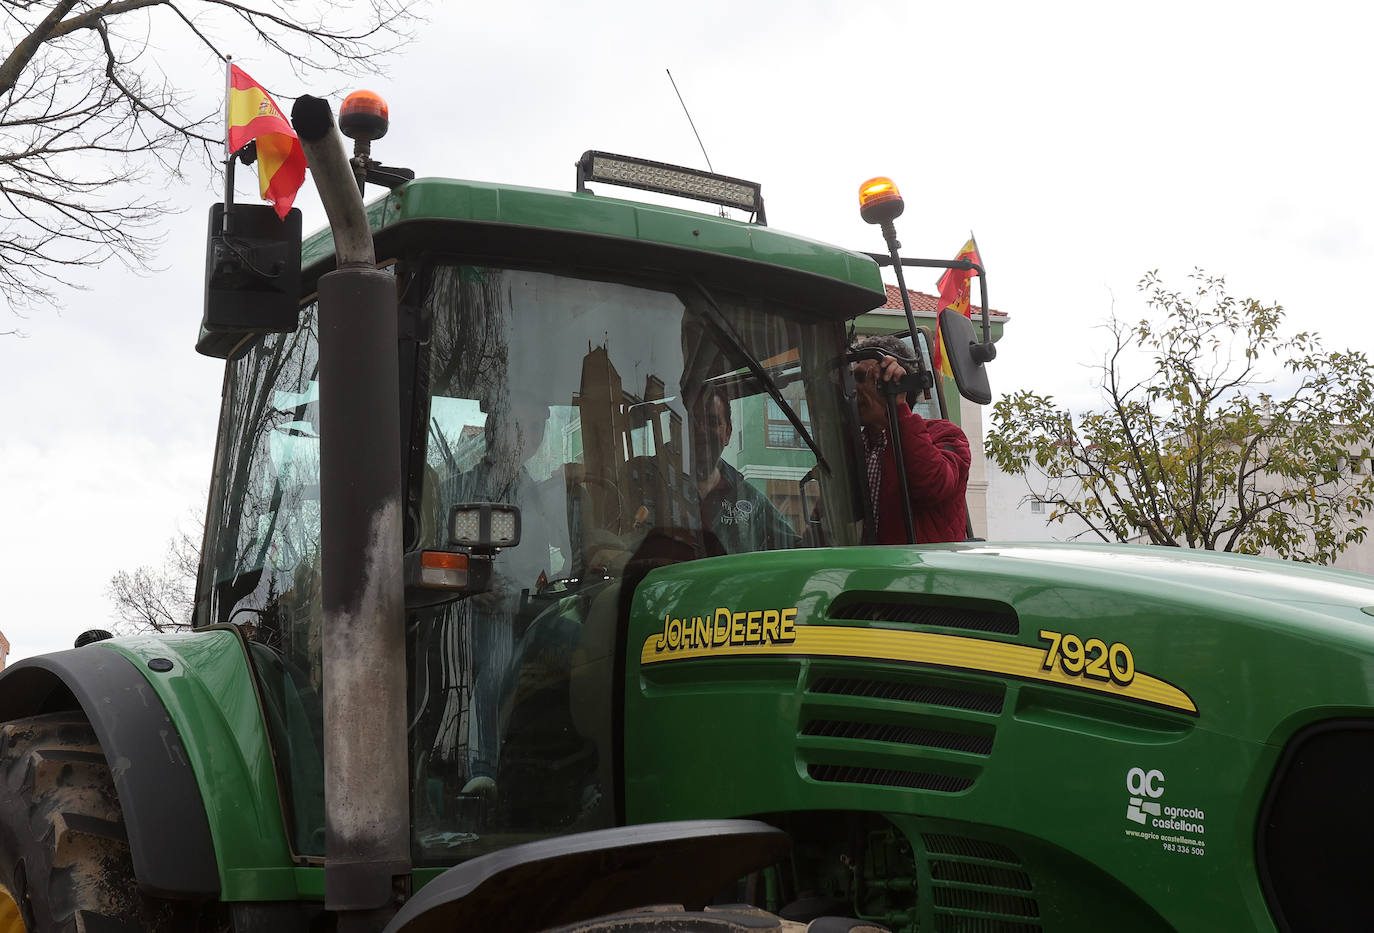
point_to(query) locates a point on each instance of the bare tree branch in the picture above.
(87, 115)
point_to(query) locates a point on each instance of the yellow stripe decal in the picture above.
(948, 651)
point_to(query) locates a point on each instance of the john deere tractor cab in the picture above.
(539, 522)
(593, 395)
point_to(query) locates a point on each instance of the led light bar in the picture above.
(671, 179)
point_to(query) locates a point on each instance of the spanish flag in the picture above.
(254, 115)
(954, 293)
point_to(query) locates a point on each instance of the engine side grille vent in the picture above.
(985, 875)
(958, 923)
(904, 735)
(977, 886)
(978, 701)
(878, 608)
(986, 901)
(889, 777)
(945, 844)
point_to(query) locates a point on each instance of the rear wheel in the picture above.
(64, 854)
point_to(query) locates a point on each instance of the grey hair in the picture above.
(890, 344)
(897, 348)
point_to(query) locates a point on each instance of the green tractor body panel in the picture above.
(917, 683)
(428, 199)
(209, 694)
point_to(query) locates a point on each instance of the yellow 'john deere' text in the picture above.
(760, 633)
(727, 628)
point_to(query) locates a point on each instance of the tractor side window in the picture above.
(263, 534)
(261, 567)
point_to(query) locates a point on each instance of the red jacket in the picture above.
(937, 460)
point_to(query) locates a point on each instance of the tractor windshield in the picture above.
(608, 409)
(634, 423)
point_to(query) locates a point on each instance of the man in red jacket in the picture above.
(936, 454)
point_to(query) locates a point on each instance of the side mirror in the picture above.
(252, 276)
(966, 356)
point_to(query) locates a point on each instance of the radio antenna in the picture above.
(689, 121)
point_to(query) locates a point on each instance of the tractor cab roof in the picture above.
(537, 225)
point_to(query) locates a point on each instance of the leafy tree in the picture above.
(86, 113)
(1196, 445)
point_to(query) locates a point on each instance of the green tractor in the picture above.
(468, 654)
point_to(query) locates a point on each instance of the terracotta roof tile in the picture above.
(920, 301)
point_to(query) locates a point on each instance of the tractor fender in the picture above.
(584, 875)
(164, 814)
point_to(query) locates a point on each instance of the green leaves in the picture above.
(1217, 431)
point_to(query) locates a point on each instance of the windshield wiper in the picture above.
(724, 329)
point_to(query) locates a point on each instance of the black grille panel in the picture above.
(889, 777)
(904, 735)
(977, 701)
(877, 609)
(1313, 842)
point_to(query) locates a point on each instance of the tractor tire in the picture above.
(65, 865)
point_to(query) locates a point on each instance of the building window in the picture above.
(1037, 506)
(780, 430)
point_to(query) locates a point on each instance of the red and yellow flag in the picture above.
(954, 293)
(254, 115)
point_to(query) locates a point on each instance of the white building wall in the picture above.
(971, 419)
(1015, 515)
(1011, 516)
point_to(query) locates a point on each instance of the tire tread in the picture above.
(63, 845)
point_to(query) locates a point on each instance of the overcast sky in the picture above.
(1083, 143)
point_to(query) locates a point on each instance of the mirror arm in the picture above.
(984, 352)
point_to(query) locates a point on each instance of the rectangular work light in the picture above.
(684, 182)
(484, 525)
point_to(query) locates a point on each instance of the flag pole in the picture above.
(228, 156)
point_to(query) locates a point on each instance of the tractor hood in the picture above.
(1103, 712)
(1027, 577)
(1122, 628)
(1224, 576)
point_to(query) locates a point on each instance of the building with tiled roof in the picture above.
(924, 305)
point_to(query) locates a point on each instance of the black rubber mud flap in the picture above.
(566, 879)
(169, 834)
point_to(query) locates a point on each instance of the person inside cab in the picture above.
(735, 516)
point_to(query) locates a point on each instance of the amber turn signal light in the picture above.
(443, 569)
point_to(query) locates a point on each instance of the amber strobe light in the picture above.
(879, 200)
(364, 115)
